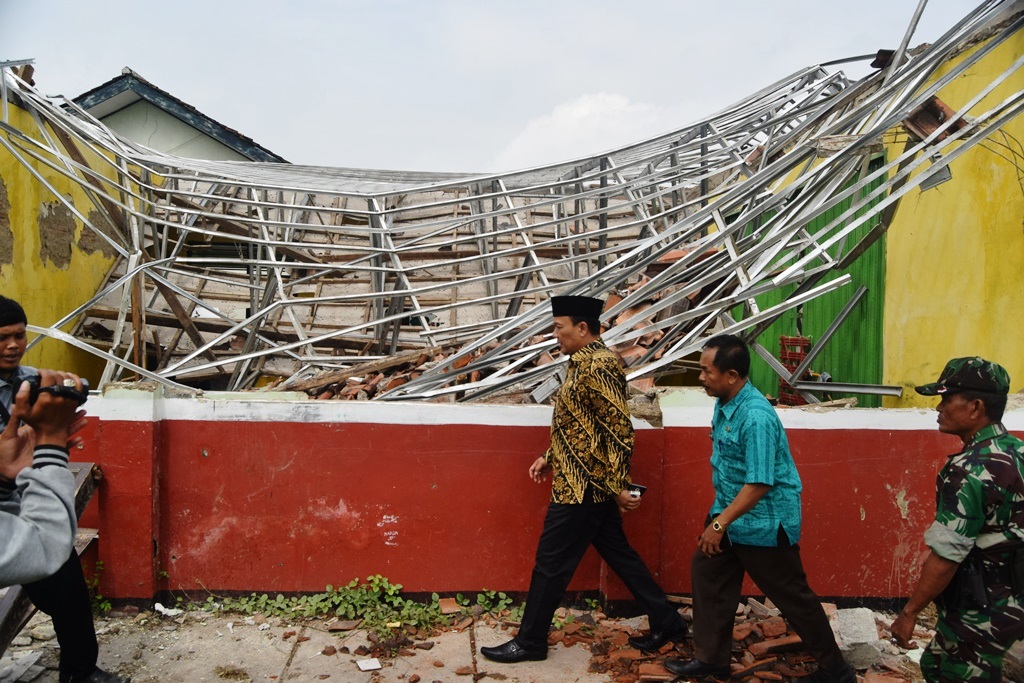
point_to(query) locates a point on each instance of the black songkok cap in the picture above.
(11, 312)
(586, 307)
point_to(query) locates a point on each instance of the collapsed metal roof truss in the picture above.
(233, 271)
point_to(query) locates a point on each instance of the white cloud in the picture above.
(586, 125)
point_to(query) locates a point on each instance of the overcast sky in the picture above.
(452, 85)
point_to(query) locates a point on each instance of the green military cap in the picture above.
(969, 374)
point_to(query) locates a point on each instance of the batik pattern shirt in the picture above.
(980, 497)
(749, 446)
(591, 432)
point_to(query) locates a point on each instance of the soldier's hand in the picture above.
(539, 469)
(902, 629)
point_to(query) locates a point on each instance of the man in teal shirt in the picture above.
(754, 525)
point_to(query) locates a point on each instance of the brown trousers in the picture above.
(779, 573)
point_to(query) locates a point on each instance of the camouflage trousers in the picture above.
(969, 645)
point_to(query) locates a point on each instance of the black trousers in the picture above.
(569, 529)
(779, 573)
(65, 598)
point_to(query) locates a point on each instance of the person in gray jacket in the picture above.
(63, 593)
(37, 491)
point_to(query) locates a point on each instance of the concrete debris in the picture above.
(858, 637)
(167, 611)
(587, 647)
(369, 664)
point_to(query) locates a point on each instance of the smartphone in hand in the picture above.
(636, 490)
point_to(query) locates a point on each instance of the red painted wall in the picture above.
(293, 506)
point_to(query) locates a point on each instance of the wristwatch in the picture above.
(717, 526)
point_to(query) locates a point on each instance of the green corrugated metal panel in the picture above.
(854, 353)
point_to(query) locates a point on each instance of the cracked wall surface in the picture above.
(6, 234)
(56, 233)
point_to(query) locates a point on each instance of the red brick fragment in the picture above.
(329, 650)
(348, 625)
(774, 627)
(287, 635)
(776, 645)
(464, 671)
(741, 631)
(739, 671)
(439, 664)
(415, 678)
(448, 606)
(652, 671)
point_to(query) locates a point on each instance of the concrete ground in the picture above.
(197, 647)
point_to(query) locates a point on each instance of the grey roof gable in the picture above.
(129, 88)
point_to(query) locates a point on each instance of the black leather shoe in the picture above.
(655, 639)
(97, 676)
(512, 652)
(694, 668)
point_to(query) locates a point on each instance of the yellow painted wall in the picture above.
(955, 265)
(47, 289)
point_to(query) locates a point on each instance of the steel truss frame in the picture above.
(234, 271)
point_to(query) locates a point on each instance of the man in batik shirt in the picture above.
(591, 444)
(975, 561)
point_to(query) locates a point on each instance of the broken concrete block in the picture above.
(368, 664)
(43, 632)
(762, 610)
(858, 637)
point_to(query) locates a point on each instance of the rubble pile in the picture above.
(764, 646)
(198, 645)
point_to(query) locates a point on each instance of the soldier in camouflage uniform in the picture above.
(976, 543)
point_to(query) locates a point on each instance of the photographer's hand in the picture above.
(17, 442)
(54, 418)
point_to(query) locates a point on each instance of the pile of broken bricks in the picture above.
(367, 380)
(764, 646)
